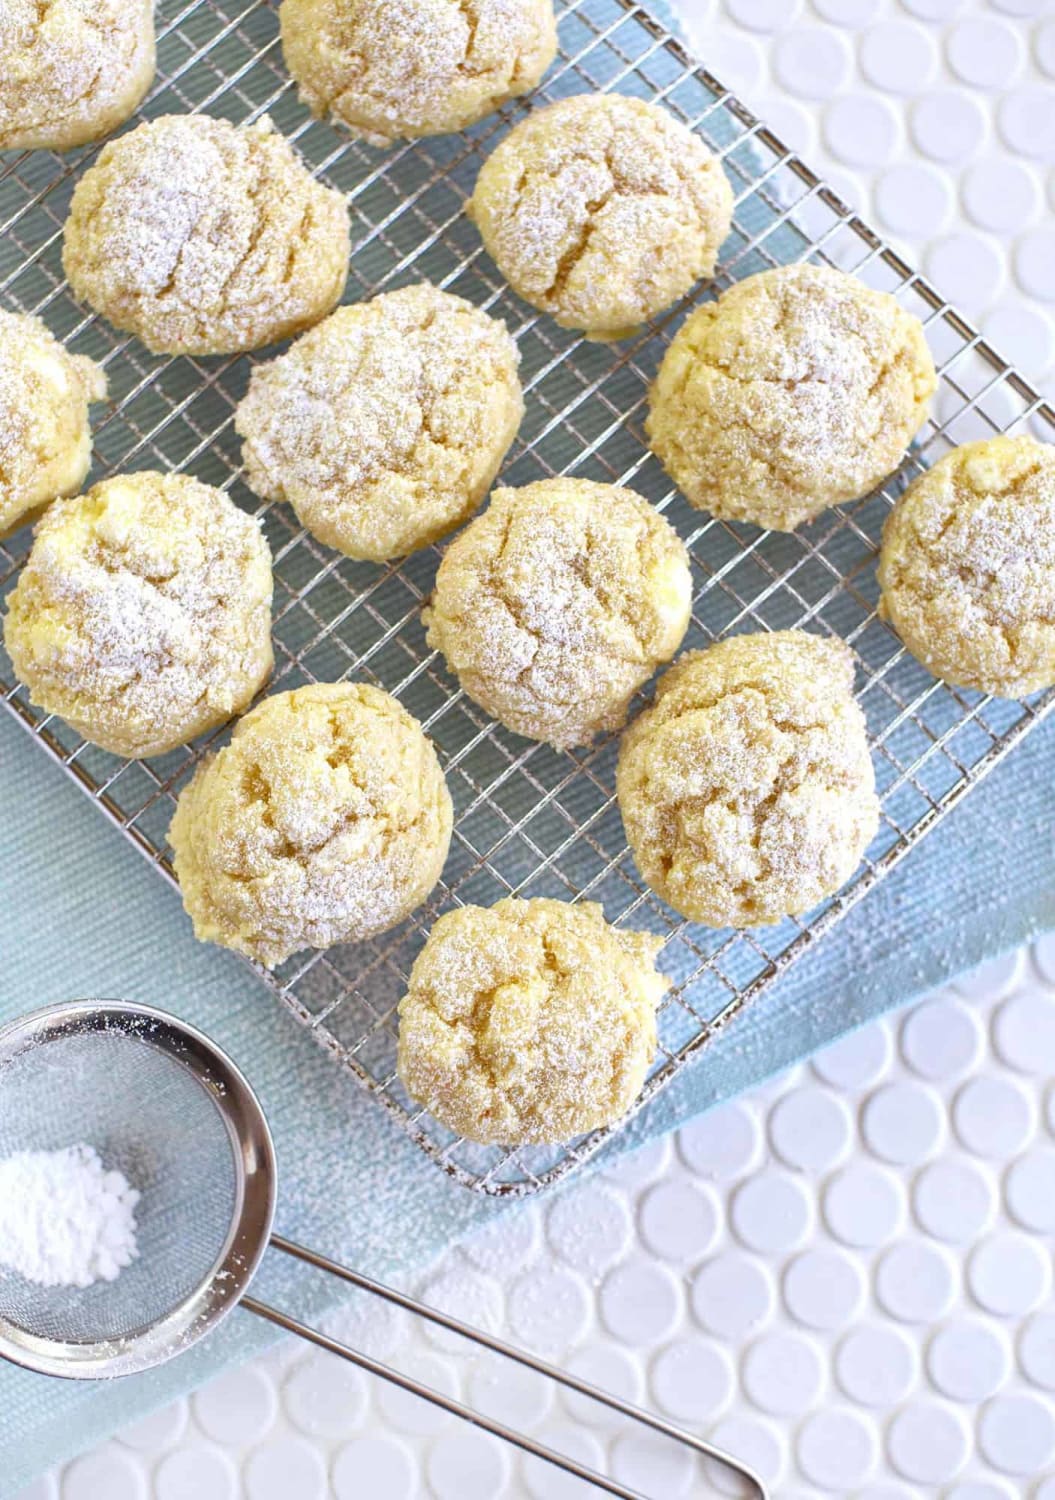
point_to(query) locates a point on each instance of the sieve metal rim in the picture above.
(255, 1172)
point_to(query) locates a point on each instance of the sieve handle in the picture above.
(756, 1490)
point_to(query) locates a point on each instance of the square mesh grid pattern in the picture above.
(529, 820)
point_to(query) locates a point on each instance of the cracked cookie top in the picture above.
(385, 425)
(602, 210)
(747, 790)
(530, 1021)
(143, 614)
(555, 605)
(45, 439)
(325, 820)
(967, 567)
(73, 70)
(412, 68)
(798, 389)
(203, 237)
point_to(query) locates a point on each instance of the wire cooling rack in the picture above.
(528, 820)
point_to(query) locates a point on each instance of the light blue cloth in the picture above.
(82, 915)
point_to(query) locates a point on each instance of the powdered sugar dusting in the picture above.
(798, 389)
(415, 67)
(385, 425)
(558, 603)
(205, 237)
(530, 1021)
(143, 613)
(72, 68)
(602, 210)
(747, 791)
(326, 820)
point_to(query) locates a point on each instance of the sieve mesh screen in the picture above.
(153, 1119)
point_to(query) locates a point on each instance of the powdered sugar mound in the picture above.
(65, 1220)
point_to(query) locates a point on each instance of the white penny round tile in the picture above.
(993, 978)
(195, 1473)
(679, 1220)
(1036, 1350)
(610, 1368)
(1000, 195)
(158, 1431)
(934, 10)
(783, 1374)
(969, 1360)
(412, 1414)
(954, 1200)
(985, 51)
(590, 1230)
(864, 1205)
(1017, 1434)
(640, 1302)
(856, 1060)
(1044, 47)
(848, 12)
(970, 269)
(757, 1443)
(898, 57)
(546, 1482)
(903, 1123)
(733, 1295)
(548, 1309)
(282, 1467)
(824, 1288)
(643, 1462)
(373, 1466)
(913, 198)
(1009, 1274)
(916, 1283)
(876, 1365)
(764, 15)
(237, 1408)
(509, 1392)
(1024, 335)
(1024, 1031)
(993, 1117)
(1034, 261)
(813, 61)
(810, 1129)
(510, 1241)
(862, 129)
(1026, 121)
(981, 1489)
(467, 1295)
(693, 1380)
(771, 1212)
(464, 1464)
(928, 1442)
(794, 124)
(949, 126)
(723, 1143)
(942, 1039)
(1029, 1191)
(324, 1395)
(837, 1449)
(109, 1471)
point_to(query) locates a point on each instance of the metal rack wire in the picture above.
(528, 819)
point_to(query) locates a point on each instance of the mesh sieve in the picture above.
(163, 1106)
